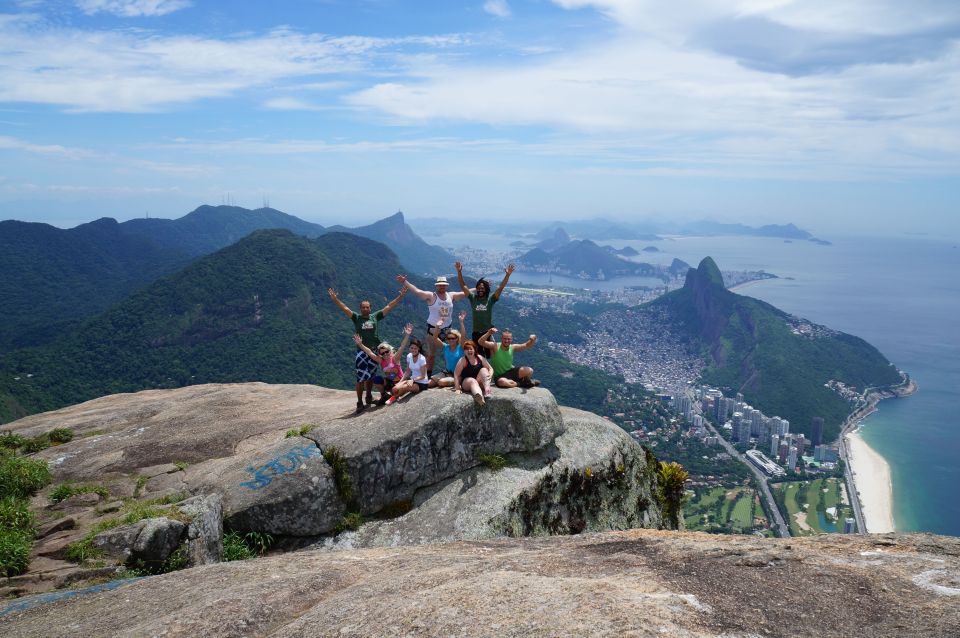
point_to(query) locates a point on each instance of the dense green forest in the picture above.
(255, 311)
(753, 348)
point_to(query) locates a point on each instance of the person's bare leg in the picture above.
(504, 382)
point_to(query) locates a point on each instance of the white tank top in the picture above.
(440, 309)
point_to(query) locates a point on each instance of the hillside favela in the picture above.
(480, 318)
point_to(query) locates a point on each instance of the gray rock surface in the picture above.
(595, 479)
(158, 539)
(247, 445)
(632, 583)
(204, 536)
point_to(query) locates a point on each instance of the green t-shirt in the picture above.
(482, 311)
(502, 360)
(366, 327)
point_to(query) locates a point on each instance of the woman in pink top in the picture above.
(389, 361)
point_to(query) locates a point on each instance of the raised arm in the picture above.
(342, 306)
(435, 337)
(422, 294)
(463, 326)
(531, 340)
(407, 331)
(463, 284)
(503, 283)
(390, 306)
(370, 353)
(485, 341)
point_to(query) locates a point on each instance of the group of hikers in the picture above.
(473, 365)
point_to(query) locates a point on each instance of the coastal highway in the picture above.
(779, 524)
(848, 426)
(851, 487)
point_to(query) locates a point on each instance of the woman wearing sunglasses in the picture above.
(390, 370)
(451, 351)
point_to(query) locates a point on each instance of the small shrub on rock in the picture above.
(20, 477)
(495, 462)
(15, 514)
(14, 551)
(11, 441)
(61, 435)
(237, 546)
(66, 490)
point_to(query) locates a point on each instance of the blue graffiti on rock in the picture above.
(283, 464)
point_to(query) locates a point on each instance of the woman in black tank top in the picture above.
(473, 373)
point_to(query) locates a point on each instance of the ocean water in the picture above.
(902, 296)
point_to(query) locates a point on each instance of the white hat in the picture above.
(441, 281)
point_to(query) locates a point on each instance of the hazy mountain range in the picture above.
(52, 278)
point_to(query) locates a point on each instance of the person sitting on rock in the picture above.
(473, 373)
(390, 369)
(365, 324)
(440, 306)
(481, 302)
(505, 374)
(452, 353)
(415, 379)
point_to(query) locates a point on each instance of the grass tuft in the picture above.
(495, 462)
(66, 490)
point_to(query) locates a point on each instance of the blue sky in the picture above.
(837, 115)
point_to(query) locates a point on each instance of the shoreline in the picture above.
(874, 485)
(869, 473)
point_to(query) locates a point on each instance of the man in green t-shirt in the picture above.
(366, 325)
(481, 302)
(505, 374)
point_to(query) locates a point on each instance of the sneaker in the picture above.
(478, 398)
(369, 399)
(382, 400)
(360, 406)
(391, 400)
(536, 382)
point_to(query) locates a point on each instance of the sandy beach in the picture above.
(871, 474)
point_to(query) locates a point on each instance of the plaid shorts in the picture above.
(366, 367)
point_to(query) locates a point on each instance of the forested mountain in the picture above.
(779, 362)
(51, 278)
(255, 311)
(210, 228)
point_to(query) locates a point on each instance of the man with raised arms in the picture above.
(481, 301)
(505, 374)
(440, 306)
(366, 325)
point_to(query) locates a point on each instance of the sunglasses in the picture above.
(384, 352)
(452, 338)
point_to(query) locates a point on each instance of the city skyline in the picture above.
(838, 117)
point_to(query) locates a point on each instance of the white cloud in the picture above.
(679, 102)
(13, 143)
(133, 71)
(498, 8)
(132, 8)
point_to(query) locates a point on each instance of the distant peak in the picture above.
(706, 273)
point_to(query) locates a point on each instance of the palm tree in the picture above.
(670, 478)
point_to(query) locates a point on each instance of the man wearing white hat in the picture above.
(440, 305)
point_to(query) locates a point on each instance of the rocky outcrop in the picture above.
(296, 461)
(594, 477)
(633, 583)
